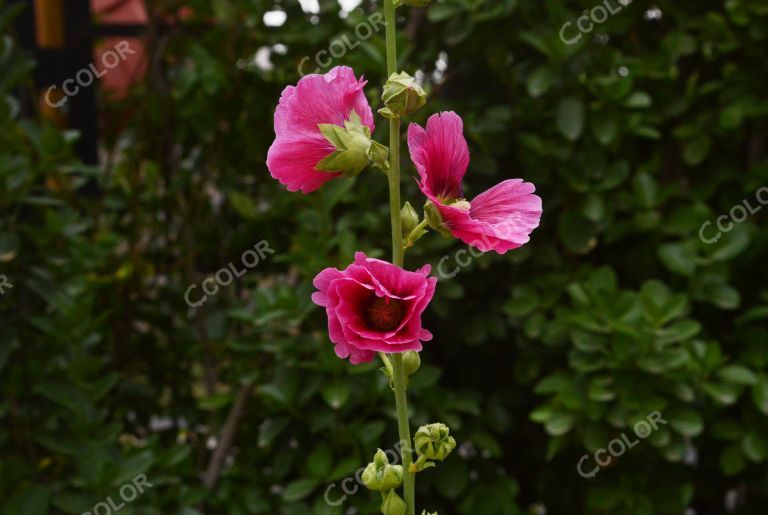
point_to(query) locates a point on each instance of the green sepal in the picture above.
(388, 114)
(421, 464)
(352, 143)
(435, 219)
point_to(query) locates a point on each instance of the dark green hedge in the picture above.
(652, 124)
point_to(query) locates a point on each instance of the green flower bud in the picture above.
(380, 476)
(435, 219)
(379, 156)
(352, 143)
(393, 504)
(434, 441)
(411, 362)
(409, 219)
(413, 3)
(402, 96)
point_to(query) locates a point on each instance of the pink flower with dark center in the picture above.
(299, 146)
(374, 306)
(500, 218)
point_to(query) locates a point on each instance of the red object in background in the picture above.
(117, 78)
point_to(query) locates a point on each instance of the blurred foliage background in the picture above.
(652, 124)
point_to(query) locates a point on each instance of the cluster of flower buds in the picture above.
(432, 442)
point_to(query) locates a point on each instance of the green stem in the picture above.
(394, 142)
(403, 427)
(398, 377)
(387, 364)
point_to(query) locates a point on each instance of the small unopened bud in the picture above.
(434, 441)
(393, 504)
(379, 156)
(409, 219)
(380, 476)
(352, 143)
(402, 96)
(411, 362)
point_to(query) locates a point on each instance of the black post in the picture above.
(58, 64)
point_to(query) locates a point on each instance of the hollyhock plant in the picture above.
(323, 129)
(305, 140)
(499, 219)
(374, 306)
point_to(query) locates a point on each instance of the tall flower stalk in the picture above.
(398, 372)
(324, 127)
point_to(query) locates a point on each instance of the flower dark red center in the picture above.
(384, 314)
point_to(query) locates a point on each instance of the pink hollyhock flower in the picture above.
(374, 306)
(500, 218)
(299, 146)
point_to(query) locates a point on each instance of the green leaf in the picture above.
(540, 81)
(9, 245)
(760, 394)
(443, 10)
(320, 461)
(570, 118)
(578, 234)
(696, 150)
(647, 189)
(738, 374)
(679, 331)
(678, 257)
(243, 205)
(604, 126)
(732, 460)
(638, 100)
(336, 394)
(299, 489)
(724, 393)
(559, 423)
(754, 446)
(686, 422)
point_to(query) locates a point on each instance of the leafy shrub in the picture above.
(649, 126)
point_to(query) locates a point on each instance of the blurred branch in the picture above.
(227, 435)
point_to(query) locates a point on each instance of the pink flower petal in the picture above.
(497, 227)
(440, 154)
